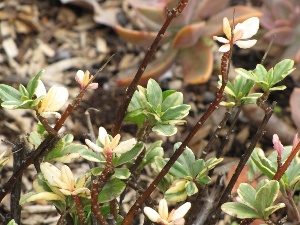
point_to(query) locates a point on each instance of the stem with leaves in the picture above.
(214, 105)
(175, 12)
(260, 132)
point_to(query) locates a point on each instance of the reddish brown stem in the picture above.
(96, 185)
(79, 210)
(150, 52)
(129, 217)
(287, 162)
(95, 204)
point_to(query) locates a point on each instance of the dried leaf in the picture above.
(196, 63)
(154, 69)
(143, 38)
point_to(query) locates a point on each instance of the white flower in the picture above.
(241, 33)
(112, 145)
(52, 101)
(64, 180)
(83, 79)
(163, 217)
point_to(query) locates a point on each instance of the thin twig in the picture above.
(260, 132)
(150, 52)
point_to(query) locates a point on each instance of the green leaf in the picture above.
(268, 211)
(154, 93)
(167, 93)
(23, 91)
(8, 93)
(245, 73)
(203, 180)
(165, 129)
(35, 138)
(137, 116)
(33, 83)
(261, 72)
(176, 112)
(247, 194)
(191, 188)
(11, 104)
(122, 173)
(176, 192)
(198, 166)
(178, 170)
(282, 69)
(186, 159)
(65, 152)
(32, 196)
(12, 222)
(134, 103)
(278, 88)
(112, 189)
(239, 210)
(127, 156)
(155, 149)
(266, 195)
(172, 100)
(90, 155)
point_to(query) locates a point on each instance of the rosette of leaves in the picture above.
(282, 19)
(23, 97)
(238, 92)
(189, 36)
(267, 80)
(259, 163)
(256, 202)
(187, 173)
(158, 110)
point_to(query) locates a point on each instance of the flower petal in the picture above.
(250, 27)
(115, 141)
(102, 135)
(181, 211)
(224, 48)
(226, 28)
(125, 146)
(79, 76)
(221, 39)
(246, 44)
(93, 146)
(85, 191)
(151, 214)
(50, 114)
(65, 192)
(40, 90)
(163, 209)
(67, 177)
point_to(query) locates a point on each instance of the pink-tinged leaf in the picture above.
(188, 35)
(154, 69)
(196, 63)
(186, 15)
(283, 35)
(214, 25)
(208, 8)
(142, 38)
(103, 16)
(292, 52)
(156, 15)
(295, 106)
